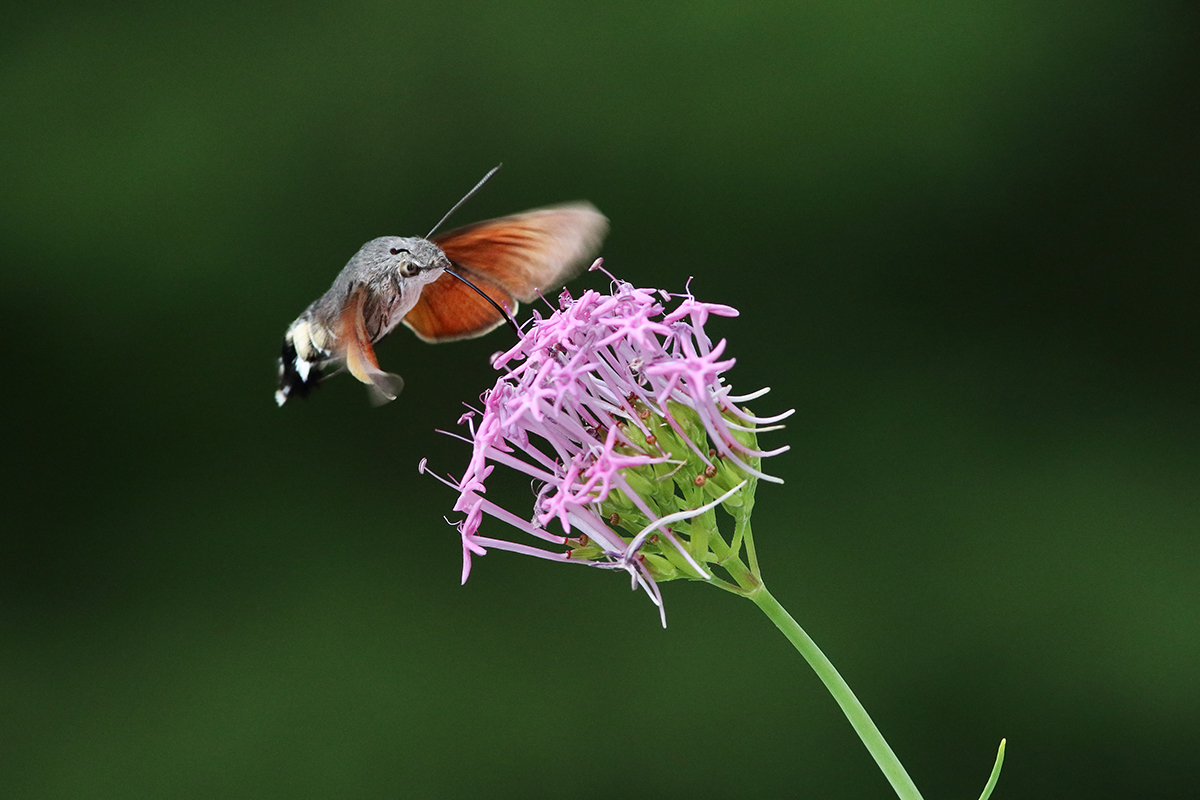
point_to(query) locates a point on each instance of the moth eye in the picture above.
(408, 269)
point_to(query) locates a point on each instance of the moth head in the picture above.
(405, 258)
(405, 266)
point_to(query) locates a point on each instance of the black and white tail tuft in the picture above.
(297, 376)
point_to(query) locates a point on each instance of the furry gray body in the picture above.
(393, 282)
(393, 269)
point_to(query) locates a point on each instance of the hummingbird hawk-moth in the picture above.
(455, 285)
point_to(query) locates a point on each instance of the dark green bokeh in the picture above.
(964, 240)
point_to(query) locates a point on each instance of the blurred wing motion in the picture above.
(359, 354)
(510, 259)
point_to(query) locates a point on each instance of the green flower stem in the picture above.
(854, 711)
(995, 776)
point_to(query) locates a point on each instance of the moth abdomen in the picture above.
(298, 375)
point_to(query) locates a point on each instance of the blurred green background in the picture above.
(963, 237)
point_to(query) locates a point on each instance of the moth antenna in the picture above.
(466, 197)
(507, 317)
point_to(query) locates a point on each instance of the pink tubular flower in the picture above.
(616, 407)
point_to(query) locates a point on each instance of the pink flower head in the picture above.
(616, 407)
